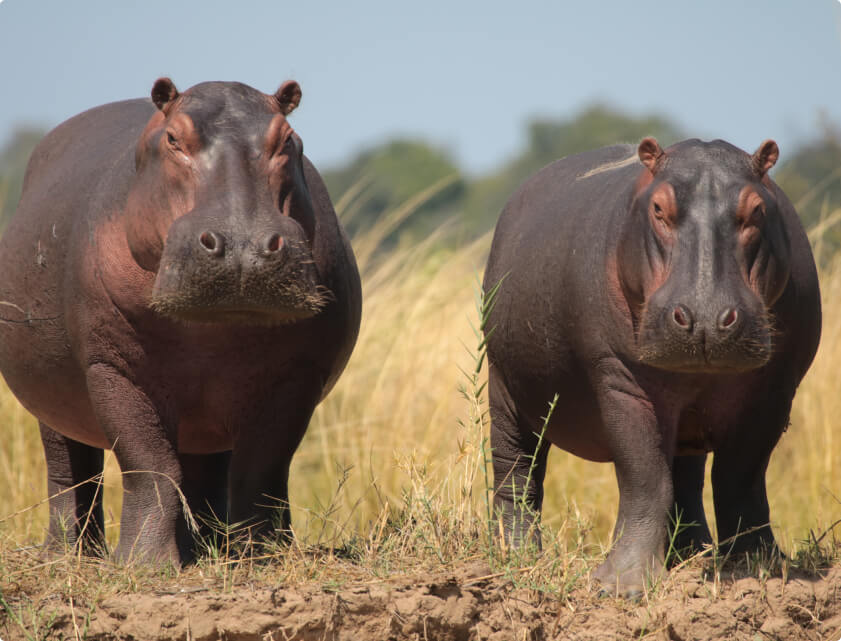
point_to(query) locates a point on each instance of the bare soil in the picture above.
(463, 603)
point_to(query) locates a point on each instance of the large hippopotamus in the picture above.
(670, 299)
(176, 288)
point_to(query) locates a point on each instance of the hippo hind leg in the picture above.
(519, 468)
(688, 529)
(738, 478)
(74, 487)
(205, 487)
(262, 454)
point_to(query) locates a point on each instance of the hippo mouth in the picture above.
(702, 365)
(705, 356)
(242, 314)
(257, 302)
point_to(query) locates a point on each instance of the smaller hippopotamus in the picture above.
(670, 299)
(176, 288)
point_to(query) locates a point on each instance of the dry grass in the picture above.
(387, 467)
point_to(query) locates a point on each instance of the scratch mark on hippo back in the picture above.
(608, 166)
(11, 304)
(28, 317)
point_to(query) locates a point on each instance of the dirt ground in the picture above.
(465, 603)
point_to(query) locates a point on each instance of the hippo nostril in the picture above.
(727, 319)
(213, 243)
(682, 317)
(272, 244)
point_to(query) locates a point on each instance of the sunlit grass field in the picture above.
(397, 426)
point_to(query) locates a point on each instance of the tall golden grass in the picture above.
(392, 422)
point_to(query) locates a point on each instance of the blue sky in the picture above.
(463, 75)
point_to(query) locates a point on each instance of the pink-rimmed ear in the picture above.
(650, 153)
(765, 157)
(163, 93)
(288, 97)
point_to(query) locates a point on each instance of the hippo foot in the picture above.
(52, 549)
(158, 555)
(633, 595)
(60, 542)
(687, 547)
(757, 548)
(628, 583)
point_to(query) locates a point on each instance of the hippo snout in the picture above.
(257, 273)
(696, 337)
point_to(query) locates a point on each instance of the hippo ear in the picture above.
(650, 154)
(163, 93)
(765, 157)
(288, 96)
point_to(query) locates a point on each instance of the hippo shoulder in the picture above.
(113, 126)
(576, 181)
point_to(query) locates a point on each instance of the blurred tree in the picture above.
(13, 159)
(385, 177)
(811, 178)
(549, 140)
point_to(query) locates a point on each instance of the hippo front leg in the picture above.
(151, 473)
(643, 472)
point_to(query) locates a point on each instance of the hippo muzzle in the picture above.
(720, 334)
(230, 271)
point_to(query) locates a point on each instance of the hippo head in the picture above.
(704, 256)
(220, 209)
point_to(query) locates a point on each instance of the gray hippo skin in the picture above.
(177, 288)
(670, 299)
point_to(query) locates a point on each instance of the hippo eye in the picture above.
(172, 140)
(659, 214)
(756, 217)
(291, 144)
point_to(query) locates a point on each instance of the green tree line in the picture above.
(386, 176)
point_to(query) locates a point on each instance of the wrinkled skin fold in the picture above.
(669, 297)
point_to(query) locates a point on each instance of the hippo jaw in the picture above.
(291, 304)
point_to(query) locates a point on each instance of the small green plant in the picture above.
(522, 504)
(33, 621)
(477, 424)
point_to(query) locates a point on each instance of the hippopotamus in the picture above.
(669, 298)
(177, 289)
